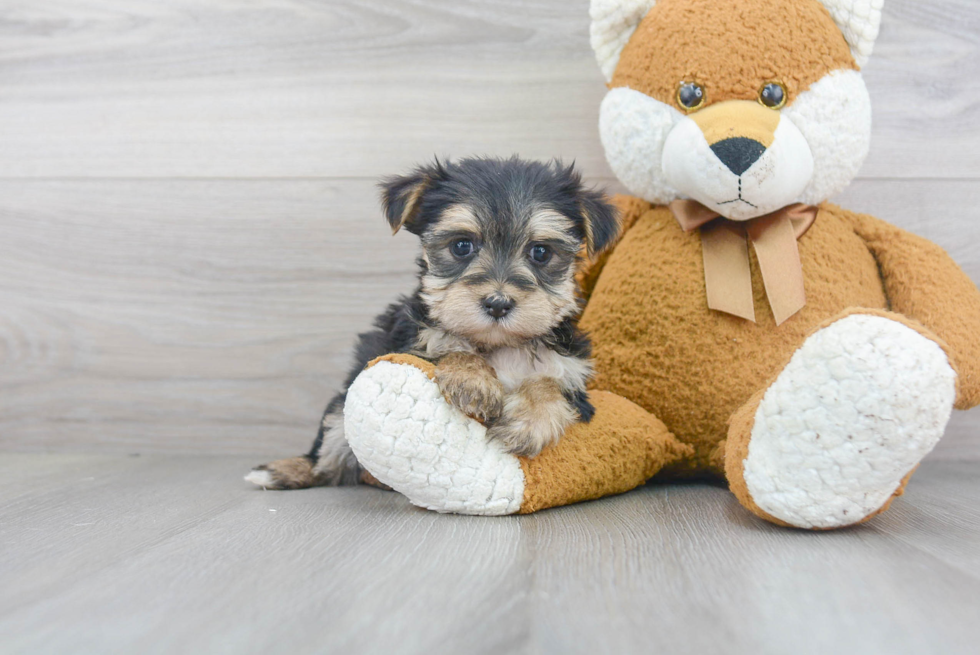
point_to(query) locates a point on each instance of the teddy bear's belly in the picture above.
(656, 342)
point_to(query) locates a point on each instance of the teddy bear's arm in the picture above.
(630, 209)
(924, 283)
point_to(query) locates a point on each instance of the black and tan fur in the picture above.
(498, 316)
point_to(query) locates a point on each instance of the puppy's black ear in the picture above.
(402, 196)
(600, 221)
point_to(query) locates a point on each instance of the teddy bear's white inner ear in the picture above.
(613, 23)
(860, 21)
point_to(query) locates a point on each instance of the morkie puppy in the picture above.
(496, 308)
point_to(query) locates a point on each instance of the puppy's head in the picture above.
(500, 240)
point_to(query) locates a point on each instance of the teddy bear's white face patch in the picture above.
(817, 148)
(772, 181)
(633, 128)
(834, 116)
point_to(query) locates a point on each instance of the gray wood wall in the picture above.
(189, 233)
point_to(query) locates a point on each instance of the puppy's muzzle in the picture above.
(497, 306)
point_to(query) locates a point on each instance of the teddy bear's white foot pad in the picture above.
(857, 408)
(406, 435)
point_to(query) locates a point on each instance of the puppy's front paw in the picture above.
(471, 385)
(519, 437)
(534, 416)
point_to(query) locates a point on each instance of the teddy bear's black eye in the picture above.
(540, 254)
(462, 248)
(773, 95)
(690, 95)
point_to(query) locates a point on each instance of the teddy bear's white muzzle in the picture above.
(741, 179)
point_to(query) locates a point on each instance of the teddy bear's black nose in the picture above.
(738, 153)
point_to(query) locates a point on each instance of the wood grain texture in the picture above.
(185, 315)
(286, 88)
(175, 554)
(218, 316)
(191, 237)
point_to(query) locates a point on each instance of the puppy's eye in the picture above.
(690, 96)
(773, 95)
(540, 254)
(462, 248)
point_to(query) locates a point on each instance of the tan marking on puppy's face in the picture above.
(458, 219)
(732, 49)
(546, 225)
(501, 265)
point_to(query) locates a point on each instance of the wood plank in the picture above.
(87, 513)
(686, 569)
(218, 316)
(941, 515)
(183, 556)
(137, 309)
(141, 88)
(176, 554)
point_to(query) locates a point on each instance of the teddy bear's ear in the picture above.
(860, 21)
(613, 23)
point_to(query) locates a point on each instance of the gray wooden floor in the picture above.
(174, 554)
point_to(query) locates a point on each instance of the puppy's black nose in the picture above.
(497, 306)
(738, 153)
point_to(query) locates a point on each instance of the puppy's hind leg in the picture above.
(292, 473)
(329, 463)
(336, 464)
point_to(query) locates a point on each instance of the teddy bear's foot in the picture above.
(405, 433)
(834, 438)
(410, 438)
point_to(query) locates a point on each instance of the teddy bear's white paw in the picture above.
(406, 435)
(857, 408)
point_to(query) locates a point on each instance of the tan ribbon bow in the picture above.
(727, 274)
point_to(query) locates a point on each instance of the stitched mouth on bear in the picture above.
(742, 177)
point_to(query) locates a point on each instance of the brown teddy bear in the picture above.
(743, 327)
